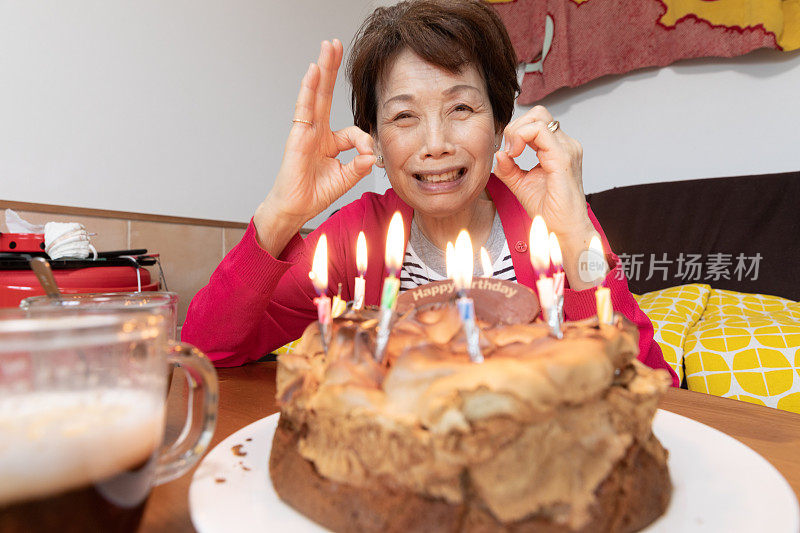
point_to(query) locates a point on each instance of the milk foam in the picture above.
(55, 441)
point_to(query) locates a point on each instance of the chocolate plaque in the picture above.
(496, 301)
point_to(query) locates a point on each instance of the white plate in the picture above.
(720, 485)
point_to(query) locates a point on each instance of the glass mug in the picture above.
(155, 301)
(82, 416)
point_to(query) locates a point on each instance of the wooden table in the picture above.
(247, 394)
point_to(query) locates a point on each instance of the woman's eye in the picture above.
(401, 116)
(462, 107)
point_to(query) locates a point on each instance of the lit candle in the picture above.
(462, 278)
(556, 261)
(540, 247)
(361, 265)
(486, 263)
(605, 310)
(547, 296)
(597, 257)
(558, 283)
(319, 277)
(394, 260)
(449, 259)
(338, 306)
(540, 258)
(391, 284)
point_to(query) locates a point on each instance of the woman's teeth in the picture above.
(441, 178)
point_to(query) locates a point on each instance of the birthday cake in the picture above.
(545, 434)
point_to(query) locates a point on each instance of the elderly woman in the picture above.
(433, 89)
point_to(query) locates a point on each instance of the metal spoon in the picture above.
(41, 267)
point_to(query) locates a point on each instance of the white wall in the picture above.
(182, 107)
(177, 108)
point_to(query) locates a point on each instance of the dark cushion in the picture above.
(738, 233)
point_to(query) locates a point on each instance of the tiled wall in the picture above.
(189, 253)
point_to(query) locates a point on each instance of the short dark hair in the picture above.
(448, 33)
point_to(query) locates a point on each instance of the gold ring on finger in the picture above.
(303, 121)
(552, 126)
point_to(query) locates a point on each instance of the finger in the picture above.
(304, 107)
(535, 114)
(510, 132)
(538, 112)
(337, 45)
(354, 137)
(534, 134)
(507, 169)
(360, 166)
(330, 56)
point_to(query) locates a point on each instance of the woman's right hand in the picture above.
(311, 178)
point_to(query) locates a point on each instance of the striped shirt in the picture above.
(424, 262)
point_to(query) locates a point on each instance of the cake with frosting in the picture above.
(545, 434)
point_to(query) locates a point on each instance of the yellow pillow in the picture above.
(286, 348)
(673, 312)
(747, 346)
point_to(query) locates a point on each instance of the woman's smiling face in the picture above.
(436, 133)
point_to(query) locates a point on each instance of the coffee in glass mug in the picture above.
(82, 419)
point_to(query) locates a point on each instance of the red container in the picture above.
(16, 285)
(21, 242)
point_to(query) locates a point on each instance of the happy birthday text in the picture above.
(478, 283)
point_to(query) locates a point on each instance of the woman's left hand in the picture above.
(554, 187)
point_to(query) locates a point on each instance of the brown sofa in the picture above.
(752, 218)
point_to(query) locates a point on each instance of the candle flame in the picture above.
(462, 267)
(597, 254)
(361, 254)
(449, 259)
(596, 246)
(486, 263)
(539, 245)
(394, 243)
(319, 267)
(555, 251)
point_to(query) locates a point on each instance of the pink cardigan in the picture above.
(255, 303)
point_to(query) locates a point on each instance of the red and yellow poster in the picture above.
(565, 43)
